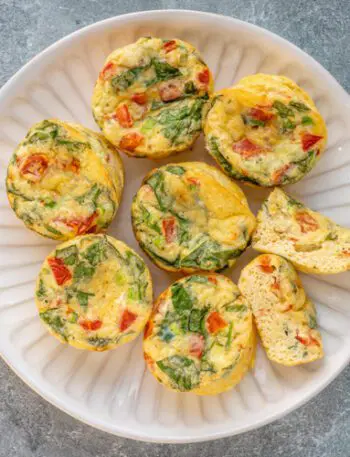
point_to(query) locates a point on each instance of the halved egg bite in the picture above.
(151, 96)
(311, 241)
(265, 130)
(189, 216)
(94, 292)
(200, 336)
(64, 180)
(285, 317)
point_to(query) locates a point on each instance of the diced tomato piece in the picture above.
(215, 322)
(81, 225)
(275, 285)
(193, 181)
(308, 140)
(212, 279)
(148, 360)
(260, 115)
(170, 90)
(247, 148)
(90, 325)
(34, 167)
(306, 221)
(130, 141)
(265, 265)
(148, 329)
(169, 46)
(73, 166)
(126, 320)
(123, 116)
(278, 174)
(169, 229)
(308, 341)
(139, 98)
(59, 270)
(108, 70)
(204, 76)
(197, 344)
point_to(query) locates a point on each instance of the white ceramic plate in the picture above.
(112, 391)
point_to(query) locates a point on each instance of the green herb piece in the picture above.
(195, 322)
(148, 125)
(293, 202)
(99, 342)
(198, 279)
(312, 321)
(83, 298)
(236, 308)
(181, 370)
(11, 189)
(127, 78)
(53, 230)
(50, 204)
(253, 122)
(331, 237)
(306, 164)
(46, 130)
(306, 120)
(91, 196)
(146, 218)
(282, 109)
(41, 292)
(175, 170)
(299, 106)
(96, 253)
(156, 105)
(163, 72)
(73, 317)
(51, 318)
(120, 278)
(190, 88)
(71, 145)
(181, 299)
(134, 262)
(288, 125)
(215, 152)
(83, 271)
(68, 255)
(207, 366)
(229, 336)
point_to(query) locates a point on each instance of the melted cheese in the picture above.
(265, 130)
(94, 293)
(285, 317)
(190, 216)
(200, 336)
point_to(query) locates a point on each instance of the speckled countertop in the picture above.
(31, 427)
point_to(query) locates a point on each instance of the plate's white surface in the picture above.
(112, 390)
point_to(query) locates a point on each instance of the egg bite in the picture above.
(189, 216)
(284, 316)
(151, 96)
(200, 336)
(265, 131)
(94, 292)
(64, 180)
(311, 241)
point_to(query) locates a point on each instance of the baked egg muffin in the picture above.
(151, 96)
(64, 180)
(284, 316)
(189, 216)
(311, 241)
(94, 292)
(265, 130)
(200, 336)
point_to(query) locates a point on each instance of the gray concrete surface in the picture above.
(29, 426)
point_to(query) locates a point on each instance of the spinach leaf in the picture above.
(51, 317)
(229, 336)
(52, 230)
(83, 271)
(190, 88)
(163, 72)
(287, 125)
(312, 321)
(91, 196)
(158, 257)
(253, 122)
(83, 298)
(156, 181)
(11, 189)
(127, 78)
(306, 164)
(299, 106)
(95, 253)
(331, 236)
(146, 218)
(195, 322)
(181, 299)
(99, 342)
(293, 202)
(215, 152)
(306, 120)
(46, 130)
(236, 308)
(134, 262)
(198, 279)
(175, 170)
(68, 255)
(181, 370)
(50, 204)
(282, 109)
(41, 292)
(165, 334)
(71, 145)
